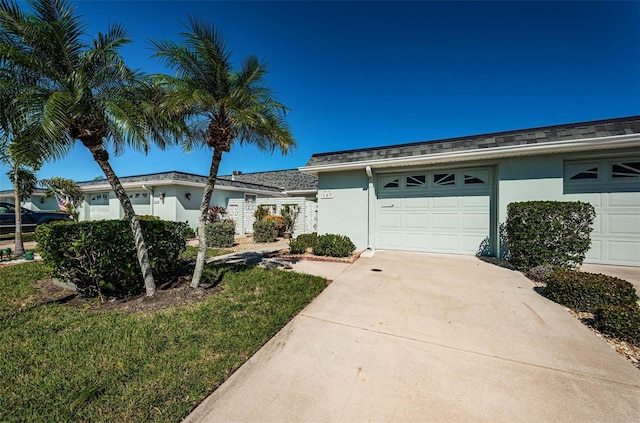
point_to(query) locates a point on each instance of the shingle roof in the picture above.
(288, 180)
(546, 134)
(183, 177)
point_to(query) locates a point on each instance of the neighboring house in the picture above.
(177, 196)
(451, 196)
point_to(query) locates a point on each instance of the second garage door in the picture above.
(446, 211)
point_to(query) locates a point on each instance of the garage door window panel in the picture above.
(416, 181)
(625, 170)
(444, 179)
(390, 183)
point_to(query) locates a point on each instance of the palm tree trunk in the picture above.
(19, 245)
(141, 246)
(204, 213)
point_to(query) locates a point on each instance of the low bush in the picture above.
(189, 232)
(549, 232)
(143, 217)
(309, 240)
(333, 245)
(622, 322)
(588, 291)
(265, 231)
(220, 234)
(297, 247)
(100, 258)
(279, 221)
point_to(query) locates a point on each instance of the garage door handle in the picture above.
(386, 205)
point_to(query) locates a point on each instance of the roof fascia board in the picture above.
(584, 144)
(302, 191)
(154, 184)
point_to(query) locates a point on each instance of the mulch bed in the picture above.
(284, 254)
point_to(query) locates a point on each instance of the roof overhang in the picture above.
(164, 183)
(570, 146)
(293, 193)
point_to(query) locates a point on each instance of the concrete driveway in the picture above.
(426, 337)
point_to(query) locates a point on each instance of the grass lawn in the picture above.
(64, 363)
(191, 252)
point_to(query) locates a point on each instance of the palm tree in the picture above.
(22, 162)
(80, 91)
(221, 105)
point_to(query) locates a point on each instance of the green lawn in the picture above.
(62, 363)
(191, 252)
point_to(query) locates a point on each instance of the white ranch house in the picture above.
(177, 196)
(451, 195)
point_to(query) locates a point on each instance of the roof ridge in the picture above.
(485, 135)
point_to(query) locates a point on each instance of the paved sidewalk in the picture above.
(427, 337)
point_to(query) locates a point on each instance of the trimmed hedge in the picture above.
(297, 247)
(100, 258)
(622, 322)
(549, 232)
(309, 240)
(589, 291)
(333, 245)
(265, 231)
(220, 234)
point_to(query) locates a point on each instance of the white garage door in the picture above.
(613, 188)
(437, 211)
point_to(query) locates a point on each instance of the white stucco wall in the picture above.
(342, 205)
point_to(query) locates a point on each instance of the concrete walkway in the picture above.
(426, 337)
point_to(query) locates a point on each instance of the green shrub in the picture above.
(297, 247)
(279, 221)
(189, 232)
(549, 232)
(588, 291)
(265, 231)
(100, 258)
(309, 240)
(220, 234)
(143, 217)
(622, 322)
(333, 245)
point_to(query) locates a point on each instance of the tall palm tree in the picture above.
(222, 105)
(77, 90)
(22, 162)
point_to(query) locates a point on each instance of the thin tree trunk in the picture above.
(19, 245)
(204, 213)
(141, 246)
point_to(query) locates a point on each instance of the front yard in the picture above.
(64, 359)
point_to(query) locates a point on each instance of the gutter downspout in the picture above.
(370, 250)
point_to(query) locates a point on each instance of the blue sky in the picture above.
(361, 74)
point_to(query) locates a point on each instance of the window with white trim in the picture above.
(99, 199)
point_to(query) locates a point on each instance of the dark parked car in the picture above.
(30, 219)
